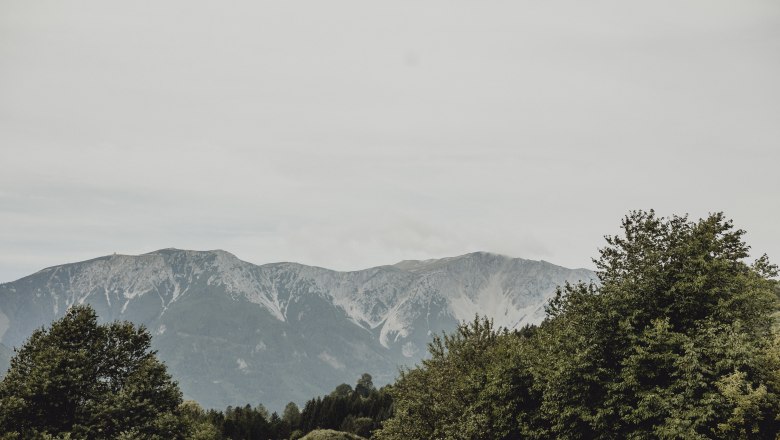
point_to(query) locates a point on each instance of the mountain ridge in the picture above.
(398, 265)
(245, 321)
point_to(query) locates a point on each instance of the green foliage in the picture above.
(428, 402)
(359, 411)
(344, 409)
(85, 380)
(292, 414)
(677, 341)
(201, 427)
(342, 390)
(648, 354)
(474, 386)
(361, 426)
(364, 385)
(243, 422)
(329, 434)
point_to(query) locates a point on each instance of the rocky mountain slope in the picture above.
(233, 332)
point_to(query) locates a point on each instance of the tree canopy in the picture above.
(675, 341)
(80, 379)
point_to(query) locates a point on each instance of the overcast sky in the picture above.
(348, 134)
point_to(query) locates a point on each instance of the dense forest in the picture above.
(678, 340)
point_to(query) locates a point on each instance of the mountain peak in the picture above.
(485, 254)
(419, 265)
(175, 251)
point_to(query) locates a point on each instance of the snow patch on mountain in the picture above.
(409, 349)
(397, 326)
(239, 278)
(331, 360)
(260, 346)
(496, 301)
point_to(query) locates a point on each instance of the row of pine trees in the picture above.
(360, 411)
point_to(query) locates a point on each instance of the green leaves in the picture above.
(677, 341)
(678, 310)
(89, 381)
(466, 390)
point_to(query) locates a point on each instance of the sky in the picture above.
(350, 134)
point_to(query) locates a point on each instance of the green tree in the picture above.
(201, 427)
(676, 342)
(292, 415)
(361, 426)
(457, 393)
(89, 381)
(365, 385)
(342, 390)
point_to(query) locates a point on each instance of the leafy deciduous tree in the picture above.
(91, 381)
(676, 341)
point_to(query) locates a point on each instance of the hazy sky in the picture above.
(348, 134)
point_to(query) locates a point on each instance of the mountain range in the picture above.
(232, 332)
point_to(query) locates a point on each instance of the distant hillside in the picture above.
(233, 332)
(5, 359)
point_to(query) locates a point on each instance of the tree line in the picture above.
(359, 411)
(678, 339)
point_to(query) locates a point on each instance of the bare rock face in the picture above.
(232, 332)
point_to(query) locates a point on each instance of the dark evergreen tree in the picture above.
(364, 414)
(279, 428)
